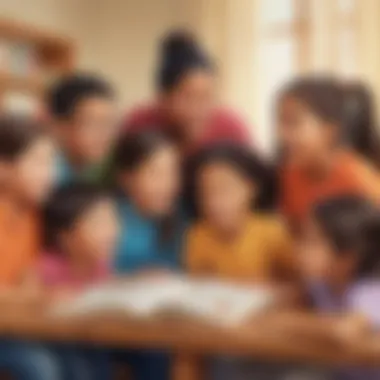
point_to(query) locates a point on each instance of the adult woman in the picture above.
(186, 102)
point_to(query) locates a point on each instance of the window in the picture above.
(300, 36)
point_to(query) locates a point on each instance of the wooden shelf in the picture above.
(48, 43)
(9, 82)
(54, 55)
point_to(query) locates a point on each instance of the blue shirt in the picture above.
(141, 246)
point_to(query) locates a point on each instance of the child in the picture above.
(81, 231)
(26, 156)
(83, 112)
(320, 161)
(230, 239)
(27, 153)
(148, 175)
(236, 236)
(340, 262)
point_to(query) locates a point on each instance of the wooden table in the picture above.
(189, 342)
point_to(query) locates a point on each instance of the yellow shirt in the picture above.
(262, 252)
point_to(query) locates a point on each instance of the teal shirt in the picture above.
(140, 245)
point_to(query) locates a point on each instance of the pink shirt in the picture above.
(223, 125)
(54, 271)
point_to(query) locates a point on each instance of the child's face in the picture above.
(96, 231)
(90, 132)
(33, 172)
(154, 185)
(225, 196)
(303, 135)
(319, 260)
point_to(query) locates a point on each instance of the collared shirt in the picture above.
(262, 251)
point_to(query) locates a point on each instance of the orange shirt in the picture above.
(263, 251)
(19, 240)
(350, 175)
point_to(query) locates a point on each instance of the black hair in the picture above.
(130, 152)
(65, 94)
(180, 54)
(352, 224)
(65, 206)
(324, 96)
(17, 133)
(360, 121)
(245, 161)
(349, 107)
(134, 148)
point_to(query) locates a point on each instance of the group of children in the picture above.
(179, 187)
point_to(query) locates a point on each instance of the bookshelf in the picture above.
(30, 58)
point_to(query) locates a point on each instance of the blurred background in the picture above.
(258, 44)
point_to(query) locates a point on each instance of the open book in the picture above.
(212, 301)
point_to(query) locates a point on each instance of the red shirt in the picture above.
(223, 125)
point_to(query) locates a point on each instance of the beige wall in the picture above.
(117, 38)
(52, 14)
(121, 39)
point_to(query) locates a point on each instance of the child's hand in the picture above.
(62, 295)
(351, 327)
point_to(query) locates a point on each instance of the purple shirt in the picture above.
(361, 298)
(364, 298)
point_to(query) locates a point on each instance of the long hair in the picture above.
(348, 107)
(360, 121)
(134, 149)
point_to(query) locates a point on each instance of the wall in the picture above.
(117, 38)
(52, 14)
(121, 39)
